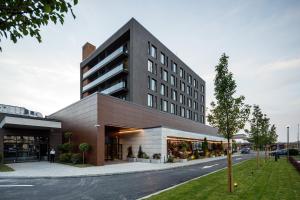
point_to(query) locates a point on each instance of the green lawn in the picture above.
(274, 180)
(5, 168)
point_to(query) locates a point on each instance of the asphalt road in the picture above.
(125, 186)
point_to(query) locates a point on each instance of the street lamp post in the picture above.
(287, 143)
(298, 139)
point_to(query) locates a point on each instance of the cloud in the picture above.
(279, 65)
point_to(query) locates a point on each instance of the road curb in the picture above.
(105, 174)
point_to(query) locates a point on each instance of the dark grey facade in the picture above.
(134, 65)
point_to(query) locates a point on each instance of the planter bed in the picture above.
(144, 160)
(295, 163)
(180, 160)
(156, 161)
(131, 159)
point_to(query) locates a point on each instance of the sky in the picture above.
(261, 38)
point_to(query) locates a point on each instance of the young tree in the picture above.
(22, 18)
(68, 136)
(84, 147)
(229, 114)
(265, 133)
(254, 132)
(272, 136)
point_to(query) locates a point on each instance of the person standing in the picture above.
(52, 155)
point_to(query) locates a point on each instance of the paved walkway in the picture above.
(46, 169)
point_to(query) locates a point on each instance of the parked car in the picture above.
(279, 152)
(245, 150)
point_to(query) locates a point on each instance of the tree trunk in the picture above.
(266, 153)
(257, 157)
(229, 167)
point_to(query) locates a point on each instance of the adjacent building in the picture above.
(25, 135)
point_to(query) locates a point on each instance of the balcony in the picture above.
(114, 88)
(120, 68)
(105, 61)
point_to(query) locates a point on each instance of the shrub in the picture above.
(295, 163)
(65, 157)
(130, 153)
(196, 154)
(68, 147)
(76, 158)
(61, 148)
(183, 155)
(293, 152)
(170, 159)
(140, 152)
(184, 146)
(156, 156)
(145, 156)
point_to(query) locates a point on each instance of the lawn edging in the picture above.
(174, 186)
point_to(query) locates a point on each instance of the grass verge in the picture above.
(5, 168)
(273, 180)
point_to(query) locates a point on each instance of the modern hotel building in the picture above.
(135, 92)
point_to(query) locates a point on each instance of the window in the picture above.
(194, 83)
(162, 89)
(164, 105)
(202, 98)
(195, 105)
(150, 100)
(182, 86)
(153, 51)
(153, 84)
(202, 109)
(172, 108)
(196, 94)
(202, 119)
(172, 80)
(188, 114)
(181, 72)
(182, 112)
(174, 95)
(174, 67)
(162, 58)
(165, 75)
(181, 99)
(189, 103)
(202, 88)
(150, 66)
(188, 88)
(196, 116)
(190, 79)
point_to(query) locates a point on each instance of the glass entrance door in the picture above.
(113, 149)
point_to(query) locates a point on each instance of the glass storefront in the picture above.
(25, 148)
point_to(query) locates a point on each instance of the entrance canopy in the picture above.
(14, 121)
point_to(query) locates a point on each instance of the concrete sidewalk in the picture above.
(48, 170)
